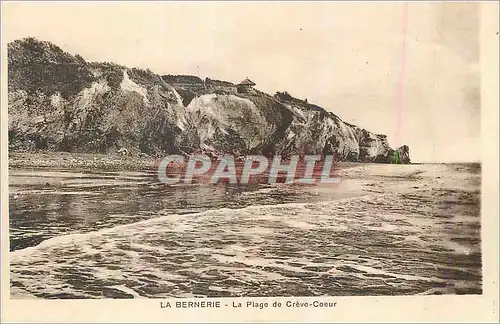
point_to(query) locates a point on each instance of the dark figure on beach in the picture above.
(183, 203)
(395, 158)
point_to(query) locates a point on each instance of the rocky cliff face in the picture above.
(60, 102)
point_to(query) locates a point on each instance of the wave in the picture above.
(376, 244)
(78, 237)
(415, 230)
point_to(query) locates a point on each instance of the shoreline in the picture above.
(67, 160)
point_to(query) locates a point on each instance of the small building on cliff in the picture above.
(245, 86)
(186, 82)
(219, 86)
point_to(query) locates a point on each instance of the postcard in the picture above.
(249, 161)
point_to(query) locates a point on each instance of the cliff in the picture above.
(60, 102)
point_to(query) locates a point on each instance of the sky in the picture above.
(407, 70)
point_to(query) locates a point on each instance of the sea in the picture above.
(384, 230)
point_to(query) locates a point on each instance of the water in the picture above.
(385, 230)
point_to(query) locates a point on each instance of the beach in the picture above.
(384, 230)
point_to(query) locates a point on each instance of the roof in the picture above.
(182, 79)
(219, 82)
(247, 82)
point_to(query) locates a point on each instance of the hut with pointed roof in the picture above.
(245, 86)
